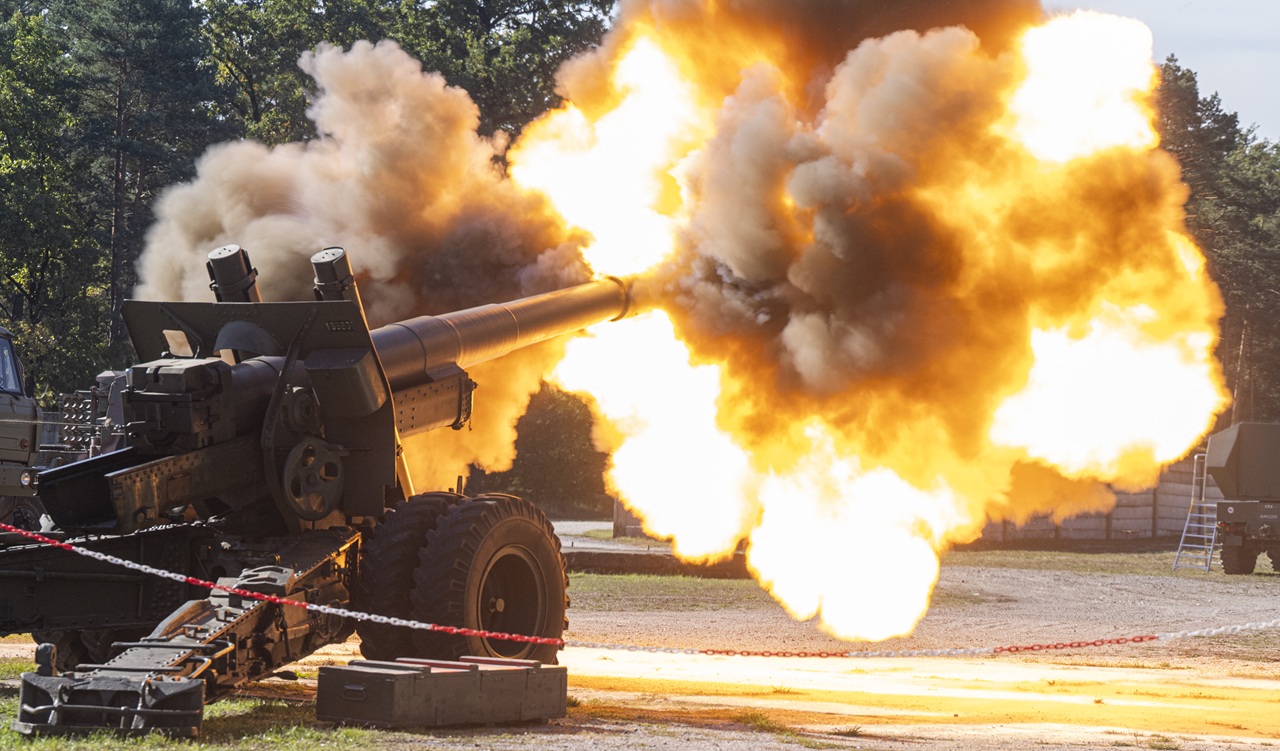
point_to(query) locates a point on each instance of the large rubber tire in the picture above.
(21, 512)
(71, 648)
(1238, 559)
(491, 564)
(386, 572)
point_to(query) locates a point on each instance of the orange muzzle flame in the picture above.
(962, 265)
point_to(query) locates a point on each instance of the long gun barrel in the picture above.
(420, 346)
(295, 381)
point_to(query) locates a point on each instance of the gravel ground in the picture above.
(987, 606)
(1014, 606)
(1189, 694)
(973, 606)
(1140, 694)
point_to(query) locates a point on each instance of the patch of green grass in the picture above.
(810, 742)
(13, 667)
(760, 721)
(275, 724)
(1153, 563)
(1162, 743)
(229, 724)
(646, 592)
(763, 723)
(639, 542)
(956, 596)
(650, 592)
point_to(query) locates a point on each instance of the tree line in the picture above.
(104, 103)
(1233, 214)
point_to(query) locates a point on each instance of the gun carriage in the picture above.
(264, 451)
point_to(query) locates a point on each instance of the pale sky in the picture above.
(1232, 45)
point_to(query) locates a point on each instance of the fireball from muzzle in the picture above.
(919, 266)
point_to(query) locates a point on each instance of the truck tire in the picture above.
(21, 512)
(386, 572)
(493, 564)
(71, 648)
(1237, 559)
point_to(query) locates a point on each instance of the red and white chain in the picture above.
(457, 630)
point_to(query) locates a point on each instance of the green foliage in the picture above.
(142, 119)
(1196, 130)
(1248, 265)
(14, 667)
(557, 466)
(253, 50)
(104, 103)
(51, 280)
(1234, 214)
(504, 52)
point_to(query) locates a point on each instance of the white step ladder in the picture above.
(1199, 534)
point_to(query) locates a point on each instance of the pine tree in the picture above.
(51, 290)
(144, 115)
(1233, 213)
(505, 53)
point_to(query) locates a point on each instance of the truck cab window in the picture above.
(9, 379)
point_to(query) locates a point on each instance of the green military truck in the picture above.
(1242, 460)
(19, 440)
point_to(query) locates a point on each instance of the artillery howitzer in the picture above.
(263, 452)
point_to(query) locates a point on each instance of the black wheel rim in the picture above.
(512, 600)
(24, 516)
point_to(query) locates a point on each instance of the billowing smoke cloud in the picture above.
(866, 248)
(805, 39)
(920, 320)
(399, 178)
(873, 287)
(833, 254)
(855, 288)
